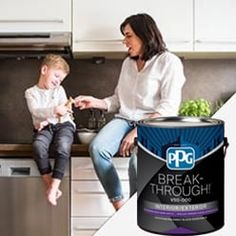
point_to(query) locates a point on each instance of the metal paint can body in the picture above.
(180, 175)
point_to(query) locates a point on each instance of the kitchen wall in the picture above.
(210, 78)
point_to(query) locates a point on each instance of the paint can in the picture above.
(181, 175)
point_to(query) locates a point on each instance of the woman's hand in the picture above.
(127, 144)
(85, 102)
(153, 115)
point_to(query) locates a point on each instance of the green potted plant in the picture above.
(196, 107)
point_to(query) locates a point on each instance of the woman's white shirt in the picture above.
(156, 88)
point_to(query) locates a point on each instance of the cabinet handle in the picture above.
(20, 171)
(216, 41)
(32, 21)
(179, 41)
(99, 41)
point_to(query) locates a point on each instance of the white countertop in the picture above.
(124, 222)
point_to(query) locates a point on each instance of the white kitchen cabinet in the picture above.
(175, 21)
(35, 16)
(215, 25)
(90, 206)
(96, 28)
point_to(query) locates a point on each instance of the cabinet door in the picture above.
(82, 168)
(215, 25)
(96, 25)
(86, 226)
(35, 16)
(90, 206)
(91, 203)
(175, 21)
(97, 28)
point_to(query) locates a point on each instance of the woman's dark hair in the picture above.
(146, 29)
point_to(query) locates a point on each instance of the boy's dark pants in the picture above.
(53, 141)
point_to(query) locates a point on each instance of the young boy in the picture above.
(53, 124)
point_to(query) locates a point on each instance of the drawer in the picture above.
(83, 232)
(121, 162)
(87, 223)
(91, 205)
(80, 186)
(82, 168)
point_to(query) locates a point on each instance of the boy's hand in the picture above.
(61, 110)
(42, 125)
(69, 103)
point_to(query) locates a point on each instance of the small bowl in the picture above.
(86, 136)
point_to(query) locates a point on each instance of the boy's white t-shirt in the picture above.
(41, 104)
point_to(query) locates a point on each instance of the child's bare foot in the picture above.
(53, 191)
(52, 196)
(59, 193)
(47, 179)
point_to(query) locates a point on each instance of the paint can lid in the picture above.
(180, 121)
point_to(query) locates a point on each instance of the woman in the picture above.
(149, 86)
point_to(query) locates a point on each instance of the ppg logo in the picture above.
(180, 158)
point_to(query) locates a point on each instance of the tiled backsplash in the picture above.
(210, 79)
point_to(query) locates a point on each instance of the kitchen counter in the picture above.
(25, 150)
(124, 222)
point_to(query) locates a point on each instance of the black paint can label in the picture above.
(180, 175)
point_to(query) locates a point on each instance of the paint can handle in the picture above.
(225, 146)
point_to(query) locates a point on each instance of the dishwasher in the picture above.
(24, 209)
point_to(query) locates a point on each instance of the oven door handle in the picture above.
(20, 171)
